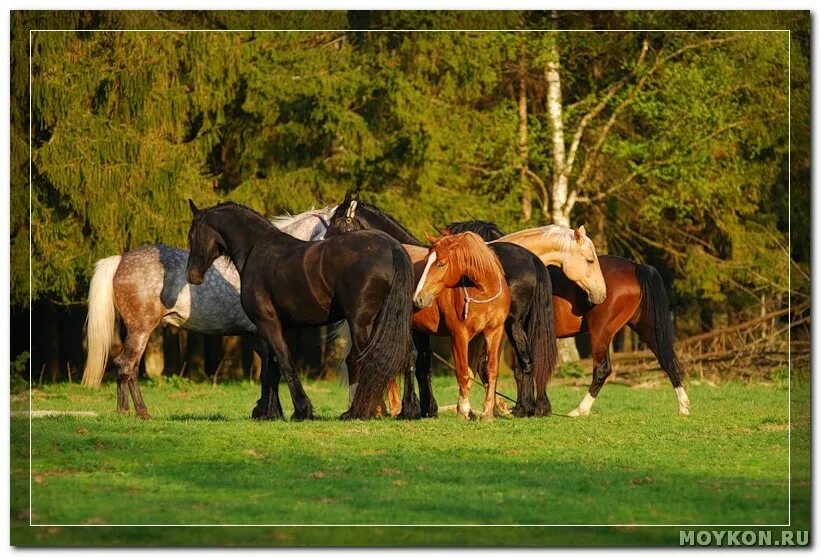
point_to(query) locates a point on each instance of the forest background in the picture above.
(688, 150)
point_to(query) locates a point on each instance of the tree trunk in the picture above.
(154, 356)
(560, 206)
(527, 204)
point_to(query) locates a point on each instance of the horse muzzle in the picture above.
(422, 300)
(597, 297)
(194, 277)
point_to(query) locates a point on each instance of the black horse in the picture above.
(529, 326)
(364, 277)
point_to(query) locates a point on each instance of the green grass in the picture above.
(201, 460)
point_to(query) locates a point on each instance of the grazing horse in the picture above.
(635, 297)
(147, 286)
(463, 293)
(364, 277)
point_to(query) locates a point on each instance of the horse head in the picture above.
(204, 245)
(452, 257)
(580, 263)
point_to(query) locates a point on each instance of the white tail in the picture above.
(101, 320)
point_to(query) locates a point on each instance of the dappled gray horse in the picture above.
(147, 286)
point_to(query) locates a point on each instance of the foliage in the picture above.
(687, 153)
(18, 373)
(202, 460)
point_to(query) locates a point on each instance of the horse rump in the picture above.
(390, 349)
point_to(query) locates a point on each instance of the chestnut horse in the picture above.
(635, 297)
(463, 293)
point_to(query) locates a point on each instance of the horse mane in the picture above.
(487, 230)
(390, 218)
(471, 254)
(565, 238)
(282, 221)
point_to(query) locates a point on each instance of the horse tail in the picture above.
(101, 320)
(390, 348)
(655, 314)
(541, 329)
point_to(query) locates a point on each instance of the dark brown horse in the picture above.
(635, 297)
(363, 277)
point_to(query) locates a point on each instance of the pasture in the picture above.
(201, 460)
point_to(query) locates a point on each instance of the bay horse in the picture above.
(147, 286)
(636, 297)
(463, 293)
(364, 277)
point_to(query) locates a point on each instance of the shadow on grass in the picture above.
(190, 417)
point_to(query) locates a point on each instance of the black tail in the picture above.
(541, 328)
(390, 349)
(655, 315)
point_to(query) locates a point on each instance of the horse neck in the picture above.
(241, 232)
(547, 247)
(393, 229)
(485, 285)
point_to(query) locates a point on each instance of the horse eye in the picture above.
(441, 264)
(590, 261)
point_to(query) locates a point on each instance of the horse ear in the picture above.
(347, 197)
(193, 207)
(431, 238)
(580, 234)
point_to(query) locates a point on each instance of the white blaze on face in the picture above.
(431, 259)
(351, 209)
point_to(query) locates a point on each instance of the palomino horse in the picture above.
(363, 277)
(147, 286)
(463, 293)
(635, 297)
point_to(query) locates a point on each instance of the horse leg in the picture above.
(600, 339)
(411, 409)
(459, 347)
(268, 407)
(647, 335)
(493, 339)
(525, 403)
(423, 375)
(271, 330)
(476, 347)
(127, 368)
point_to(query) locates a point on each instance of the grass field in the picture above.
(201, 460)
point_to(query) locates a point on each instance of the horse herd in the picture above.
(355, 264)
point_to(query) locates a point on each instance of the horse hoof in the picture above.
(684, 411)
(486, 417)
(576, 412)
(412, 414)
(302, 416)
(143, 415)
(543, 412)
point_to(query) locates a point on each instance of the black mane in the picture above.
(343, 207)
(487, 230)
